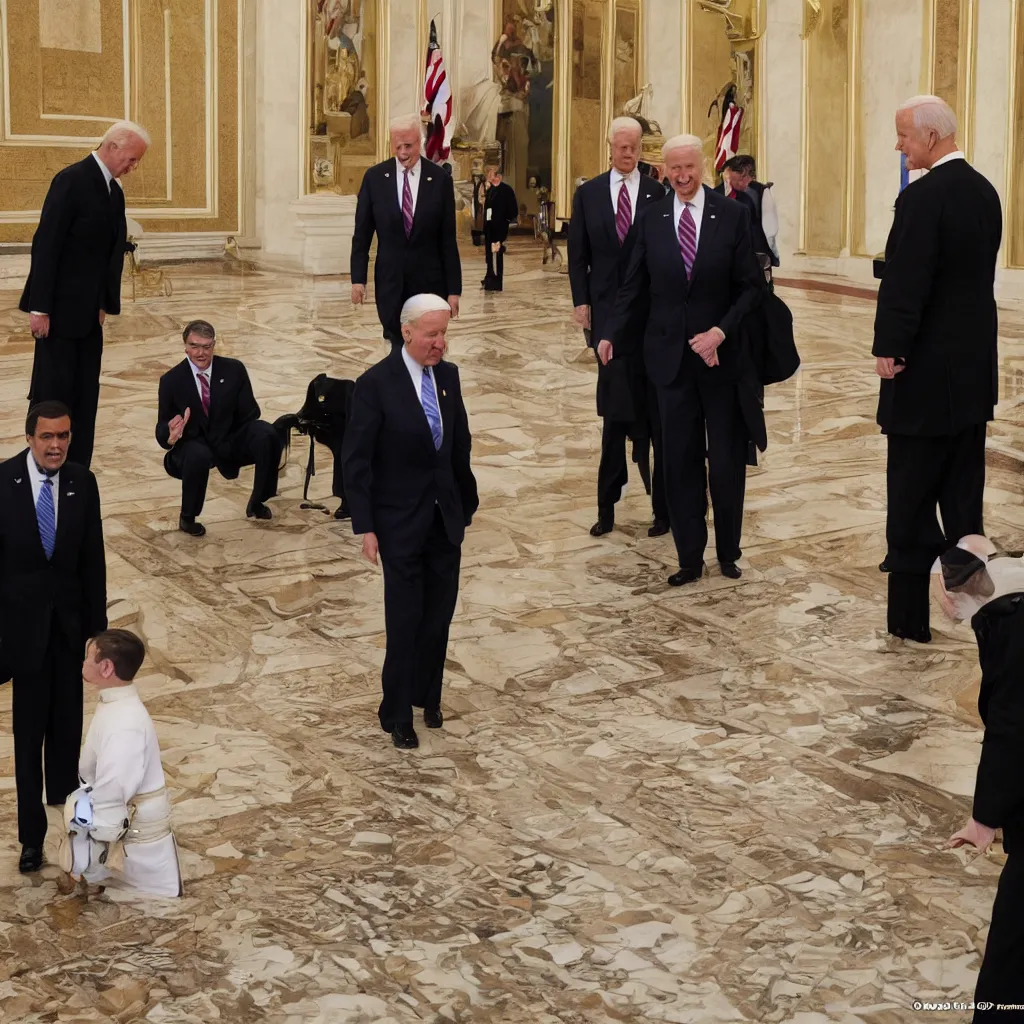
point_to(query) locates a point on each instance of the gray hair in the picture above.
(120, 131)
(621, 125)
(418, 305)
(682, 142)
(407, 123)
(932, 113)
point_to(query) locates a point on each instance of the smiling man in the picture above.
(412, 494)
(53, 597)
(693, 261)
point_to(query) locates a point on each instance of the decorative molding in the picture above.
(181, 245)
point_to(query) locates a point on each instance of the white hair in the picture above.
(407, 123)
(621, 125)
(932, 113)
(682, 142)
(120, 131)
(416, 306)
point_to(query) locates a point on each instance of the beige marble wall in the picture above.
(664, 62)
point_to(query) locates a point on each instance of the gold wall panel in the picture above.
(826, 134)
(627, 64)
(950, 45)
(171, 65)
(1015, 173)
(587, 131)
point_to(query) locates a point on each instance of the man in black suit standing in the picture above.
(409, 202)
(935, 350)
(412, 494)
(739, 181)
(53, 598)
(602, 234)
(695, 260)
(208, 416)
(500, 209)
(75, 278)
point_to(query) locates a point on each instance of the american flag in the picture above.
(437, 108)
(728, 135)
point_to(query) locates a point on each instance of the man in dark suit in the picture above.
(75, 278)
(412, 494)
(602, 234)
(739, 181)
(207, 417)
(694, 259)
(935, 350)
(500, 209)
(53, 598)
(409, 202)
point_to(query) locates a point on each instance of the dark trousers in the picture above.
(420, 590)
(256, 444)
(701, 422)
(613, 472)
(47, 721)
(68, 371)
(1002, 971)
(925, 474)
(495, 264)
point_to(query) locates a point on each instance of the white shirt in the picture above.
(107, 176)
(416, 373)
(36, 479)
(414, 182)
(196, 372)
(949, 158)
(696, 205)
(632, 181)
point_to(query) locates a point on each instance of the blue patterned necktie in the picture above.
(428, 396)
(46, 517)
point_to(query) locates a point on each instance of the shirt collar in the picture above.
(413, 171)
(196, 371)
(697, 202)
(112, 693)
(107, 176)
(413, 367)
(35, 473)
(630, 179)
(949, 158)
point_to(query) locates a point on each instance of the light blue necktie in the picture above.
(46, 516)
(428, 396)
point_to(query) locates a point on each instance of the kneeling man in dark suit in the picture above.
(412, 494)
(207, 417)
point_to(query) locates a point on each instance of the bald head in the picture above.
(683, 157)
(925, 131)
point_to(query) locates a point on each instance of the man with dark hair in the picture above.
(53, 597)
(738, 182)
(207, 417)
(123, 649)
(500, 210)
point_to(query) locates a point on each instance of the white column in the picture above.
(407, 56)
(449, 30)
(478, 36)
(663, 34)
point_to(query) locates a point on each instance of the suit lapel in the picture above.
(423, 195)
(671, 234)
(411, 400)
(68, 503)
(22, 486)
(604, 198)
(708, 228)
(445, 401)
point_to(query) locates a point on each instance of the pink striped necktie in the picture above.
(623, 213)
(688, 239)
(204, 392)
(407, 204)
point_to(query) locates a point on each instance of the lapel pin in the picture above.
(712, 216)
(430, 179)
(387, 174)
(221, 381)
(70, 494)
(444, 394)
(666, 215)
(18, 480)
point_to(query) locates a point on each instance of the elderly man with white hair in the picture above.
(694, 265)
(602, 233)
(935, 350)
(406, 461)
(75, 278)
(409, 203)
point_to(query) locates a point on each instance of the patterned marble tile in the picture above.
(726, 804)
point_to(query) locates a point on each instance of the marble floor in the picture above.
(723, 804)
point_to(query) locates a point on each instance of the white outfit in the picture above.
(120, 765)
(770, 220)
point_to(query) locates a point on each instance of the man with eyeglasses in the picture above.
(208, 417)
(53, 598)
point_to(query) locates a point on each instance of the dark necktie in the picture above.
(204, 392)
(623, 213)
(407, 205)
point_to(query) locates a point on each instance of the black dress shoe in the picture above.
(257, 510)
(684, 576)
(730, 570)
(918, 636)
(605, 523)
(645, 474)
(31, 859)
(433, 718)
(404, 737)
(883, 565)
(188, 524)
(343, 512)
(658, 528)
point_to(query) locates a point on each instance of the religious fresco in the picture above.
(523, 60)
(343, 83)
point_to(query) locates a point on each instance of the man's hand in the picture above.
(605, 351)
(39, 324)
(453, 305)
(495, 247)
(177, 427)
(370, 547)
(581, 314)
(886, 367)
(103, 316)
(706, 345)
(973, 834)
(358, 294)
